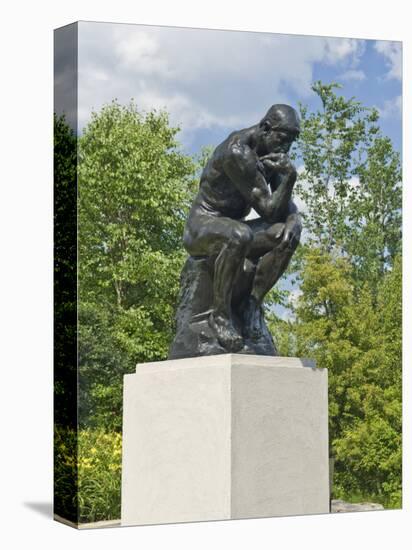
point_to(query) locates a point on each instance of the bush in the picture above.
(98, 477)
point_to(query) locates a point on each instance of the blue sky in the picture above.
(212, 82)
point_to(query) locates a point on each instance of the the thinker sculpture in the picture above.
(234, 262)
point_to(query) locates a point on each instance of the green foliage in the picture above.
(134, 191)
(348, 315)
(375, 211)
(332, 143)
(339, 325)
(135, 188)
(65, 470)
(102, 366)
(100, 462)
(350, 183)
(370, 446)
(65, 356)
(96, 456)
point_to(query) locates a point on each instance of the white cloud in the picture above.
(392, 52)
(340, 49)
(204, 78)
(391, 107)
(139, 51)
(353, 74)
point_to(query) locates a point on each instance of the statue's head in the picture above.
(278, 129)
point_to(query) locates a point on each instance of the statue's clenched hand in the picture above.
(278, 163)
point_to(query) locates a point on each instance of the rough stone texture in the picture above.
(339, 506)
(194, 337)
(224, 437)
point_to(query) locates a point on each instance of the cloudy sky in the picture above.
(212, 82)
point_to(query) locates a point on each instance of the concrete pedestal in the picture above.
(224, 437)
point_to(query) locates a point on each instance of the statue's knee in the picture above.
(242, 236)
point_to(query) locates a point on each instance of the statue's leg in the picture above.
(228, 240)
(270, 267)
(269, 270)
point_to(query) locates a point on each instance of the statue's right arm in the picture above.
(241, 166)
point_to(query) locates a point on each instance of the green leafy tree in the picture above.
(350, 183)
(348, 276)
(65, 316)
(375, 212)
(369, 450)
(359, 341)
(65, 353)
(135, 188)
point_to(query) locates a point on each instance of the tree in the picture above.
(376, 213)
(358, 339)
(65, 318)
(65, 349)
(348, 276)
(135, 188)
(350, 183)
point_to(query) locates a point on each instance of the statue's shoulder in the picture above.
(238, 138)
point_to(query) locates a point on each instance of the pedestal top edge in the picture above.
(229, 360)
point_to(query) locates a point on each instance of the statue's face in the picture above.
(275, 140)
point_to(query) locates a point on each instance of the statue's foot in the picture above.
(248, 349)
(226, 333)
(252, 319)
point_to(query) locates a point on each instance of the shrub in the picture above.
(98, 479)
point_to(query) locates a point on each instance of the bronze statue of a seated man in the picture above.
(250, 169)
